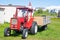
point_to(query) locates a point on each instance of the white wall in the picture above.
(8, 13)
(1, 16)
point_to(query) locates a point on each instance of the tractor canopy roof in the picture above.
(24, 7)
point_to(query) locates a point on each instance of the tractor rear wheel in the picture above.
(25, 33)
(7, 32)
(34, 28)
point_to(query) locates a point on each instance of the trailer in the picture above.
(42, 21)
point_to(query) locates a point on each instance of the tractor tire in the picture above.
(34, 28)
(7, 32)
(25, 33)
(44, 27)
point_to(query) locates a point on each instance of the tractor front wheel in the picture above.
(7, 32)
(25, 33)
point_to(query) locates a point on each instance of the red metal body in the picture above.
(26, 21)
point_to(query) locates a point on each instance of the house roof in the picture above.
(10, 5)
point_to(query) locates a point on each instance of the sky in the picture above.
(35, 3)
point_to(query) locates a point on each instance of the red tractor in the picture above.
(23, 21)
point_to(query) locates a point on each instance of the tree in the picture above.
(10, 4)
(40, 10)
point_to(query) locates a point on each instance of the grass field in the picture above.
(52, 33)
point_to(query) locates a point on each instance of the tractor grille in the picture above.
(14, 21)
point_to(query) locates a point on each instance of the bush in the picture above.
(40, 12)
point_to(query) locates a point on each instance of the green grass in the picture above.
(52, 33)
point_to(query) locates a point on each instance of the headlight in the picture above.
(14, 21)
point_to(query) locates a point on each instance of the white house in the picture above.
(1, 15)
(6, 12)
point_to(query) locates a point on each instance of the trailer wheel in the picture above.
(25, 33)
(44, 27)
(34, 28)
(7, 32)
